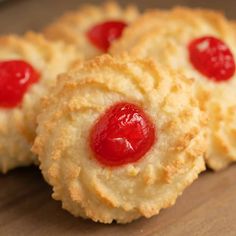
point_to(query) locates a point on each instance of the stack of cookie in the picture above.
(121, 111)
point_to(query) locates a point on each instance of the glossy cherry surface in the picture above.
(16, 76)
(103, 34)
(123, 134)
(212, 57)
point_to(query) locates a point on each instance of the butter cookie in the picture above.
(92, 28)
(120, 138)
(202, 45)
(28, 68)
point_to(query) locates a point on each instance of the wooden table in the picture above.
(208, 207)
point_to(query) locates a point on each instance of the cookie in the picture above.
(92, 28)
(116, 146)
(28, 68)
(202, 45)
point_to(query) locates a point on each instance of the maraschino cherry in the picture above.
(212, 58)
(16, 76)
(122, 135)
(101, 35)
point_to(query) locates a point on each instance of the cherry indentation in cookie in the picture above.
(16, 76)
(101, 35)
(122, 135)
(212, 58)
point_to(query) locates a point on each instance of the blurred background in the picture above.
(18, 16)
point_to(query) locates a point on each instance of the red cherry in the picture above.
(101, 35)
(16, 76)
(122, 135)
(212, 58)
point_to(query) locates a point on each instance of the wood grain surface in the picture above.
(207, 207)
